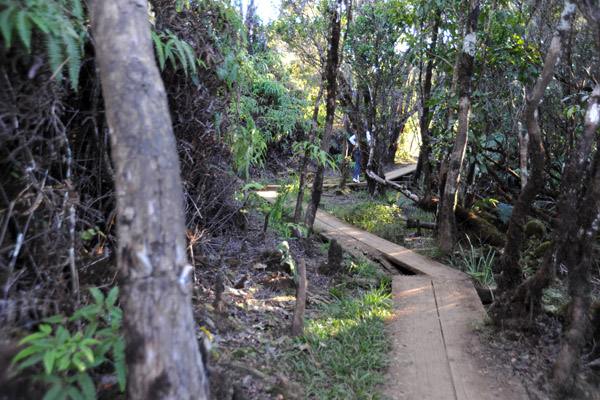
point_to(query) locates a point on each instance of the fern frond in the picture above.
(41, 23)
(24, 29)
(74, 54)
(181, 55)
(160, 51)
(191, 58)
(7, 22)
(77, 9)
(55, 55)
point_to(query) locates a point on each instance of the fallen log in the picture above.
(466, 219)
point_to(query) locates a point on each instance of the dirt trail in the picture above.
(436, 351)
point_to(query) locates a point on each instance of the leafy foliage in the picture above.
(62, 24)
(169, 47)
(476, 262)
(67, 357)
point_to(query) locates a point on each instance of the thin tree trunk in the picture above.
(425, 152)
(306, 157)
(523, 154)
(509, 266)
(344, 168)
(162, 351)
(298, 317)
(447, 220)
(331, 69)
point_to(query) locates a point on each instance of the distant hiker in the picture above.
(357, 158)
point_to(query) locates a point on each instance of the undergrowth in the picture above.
(476, 262)
(381, 219)
(344, 353)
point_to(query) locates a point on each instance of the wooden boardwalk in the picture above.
(435, 348)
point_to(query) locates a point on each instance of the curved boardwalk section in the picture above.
(435, 349)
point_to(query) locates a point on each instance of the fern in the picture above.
(178, 52)
(61, 22)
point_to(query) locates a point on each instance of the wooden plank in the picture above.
(459, 309)
(408, 259)
(400, 172)
(419, 367)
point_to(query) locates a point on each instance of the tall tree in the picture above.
(162, 351)
(424, 164)
(511, 272)
(447, 220)
(331, 71)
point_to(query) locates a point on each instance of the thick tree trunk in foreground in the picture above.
(161, 347)
(509, 266)
(331, 69)
(447, 221)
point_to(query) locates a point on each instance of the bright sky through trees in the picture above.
(268, 10)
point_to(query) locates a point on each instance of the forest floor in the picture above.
(250, 329)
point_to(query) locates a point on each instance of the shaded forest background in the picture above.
(248, 101)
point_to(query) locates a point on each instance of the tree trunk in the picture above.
(306, 156)
(447, 221)
(509, 266)
(425, 152)
(331, 69)
(161, 347)
(344, 167)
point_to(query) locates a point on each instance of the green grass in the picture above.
(476, 262)
(386, 219)
(344, 354)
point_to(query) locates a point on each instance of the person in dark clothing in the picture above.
(357, 158)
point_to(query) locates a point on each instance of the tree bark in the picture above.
(509, 266)
(331, 69)
(305, 157)
(447, 221)
(162, 351)
(298, 318)
(425, 152)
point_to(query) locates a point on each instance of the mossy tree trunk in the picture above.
(162, 351)
(509, 270)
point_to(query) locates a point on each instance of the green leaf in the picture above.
(90, 330)
(55, 56)
(78, 363)
(46, 328)
(40, 22)
(33, 336)
(160, 52)
(98, 295)
(74, 62)
(55, 319)
(34, 359)
(77, 9)
(74, 393)
(49, 358)
(53, 393)
(64, 362)
(26, 352)
(112, 297)
(87, 386)
(120, 366)
(7, 22)
(88, 312)
(87, 352)
(24, 29)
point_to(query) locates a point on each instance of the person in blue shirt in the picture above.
(357, 158)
